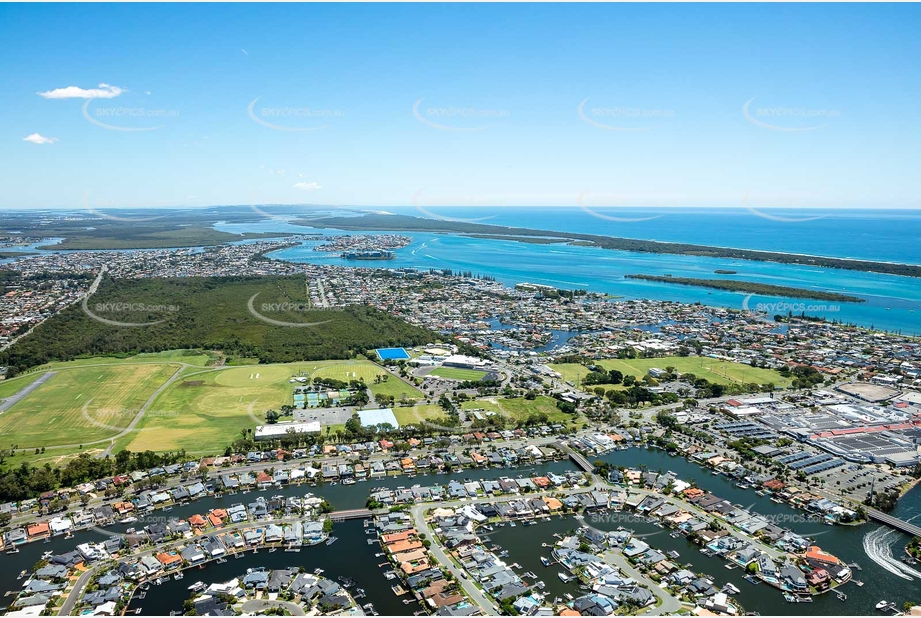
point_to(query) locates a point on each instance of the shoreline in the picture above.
(406, 223)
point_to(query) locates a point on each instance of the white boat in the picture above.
(197, 586)
(128, 520)
(882, 605)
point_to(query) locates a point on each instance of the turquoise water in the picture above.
(892, 302)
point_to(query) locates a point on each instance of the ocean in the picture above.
(892, 303)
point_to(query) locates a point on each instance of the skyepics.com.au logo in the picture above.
(294, 119)
(589, 202)
(107, 312)
(95, 208)
(777, 217)
(119, 419)
(457, 118)
(127, 117)
(423, 204)
(786, 307)
(625, 119)
(788, 119)
(292, 212)
(283, 309)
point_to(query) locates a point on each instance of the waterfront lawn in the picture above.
(456, 373)
(53, 413)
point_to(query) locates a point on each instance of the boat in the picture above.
(841, 595)
(540, 585)
(347, 582)
(197, 586)
(512, 524)
(22, 574)
(568, 597)
(544, 560)
(674, 554)
(730, 588)
(565, 577)
(128, 520)
(882, 605)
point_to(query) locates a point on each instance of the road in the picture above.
(472, 591)
(668, 604)
(83, 581)
(12, 400)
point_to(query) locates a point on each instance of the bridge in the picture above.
(577, 458)
(351, 514)
(893, 522)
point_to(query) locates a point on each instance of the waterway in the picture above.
(350, 556)
(353, 557)
(845, 542)
(891, 302)
(342, 497)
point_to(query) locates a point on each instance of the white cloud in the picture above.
(307, 186)
(245, 53)
(104, 91)
(38, 138)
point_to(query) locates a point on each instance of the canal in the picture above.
(342, 497)
(846, 542)
(874, 548)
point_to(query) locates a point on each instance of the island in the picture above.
(765, 289)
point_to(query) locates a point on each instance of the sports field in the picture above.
(518, 409)
(83, 403)
(455, 373)
(205, 411)
(717, 371)
(413, 415)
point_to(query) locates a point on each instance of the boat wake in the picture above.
(879, 550)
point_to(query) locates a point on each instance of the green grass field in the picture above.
(205, 411)
(455, 373)
(518, 408)
(416, 414)
(14, 385)
(111, 394)
(717, 371)
(397, 388)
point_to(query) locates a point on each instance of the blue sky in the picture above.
(520, 105)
